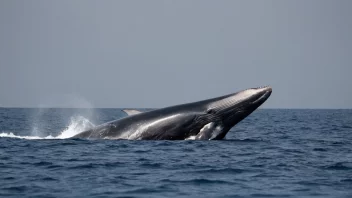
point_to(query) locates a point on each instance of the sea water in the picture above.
(272, 153)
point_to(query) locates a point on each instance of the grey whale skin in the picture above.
(204, 120)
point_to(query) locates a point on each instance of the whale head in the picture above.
(220, 114)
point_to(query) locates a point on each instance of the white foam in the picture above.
(76, 125)
(11, 135)
(191, 137)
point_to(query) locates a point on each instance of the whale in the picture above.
(209, 119)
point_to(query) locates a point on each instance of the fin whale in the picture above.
(204, 120)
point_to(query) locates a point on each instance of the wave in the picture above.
(76, 125)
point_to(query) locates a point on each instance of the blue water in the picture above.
(272, 153)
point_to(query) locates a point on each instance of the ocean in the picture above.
(272, 153)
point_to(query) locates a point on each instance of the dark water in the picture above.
(272, 153)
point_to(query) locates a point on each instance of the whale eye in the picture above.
(211, 111)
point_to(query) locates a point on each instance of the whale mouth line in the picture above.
(262, 97)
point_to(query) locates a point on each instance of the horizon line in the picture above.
(267, 108)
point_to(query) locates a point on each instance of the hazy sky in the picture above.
(159, 53)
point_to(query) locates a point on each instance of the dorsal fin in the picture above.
(131, 111)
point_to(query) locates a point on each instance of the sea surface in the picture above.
(272, 153)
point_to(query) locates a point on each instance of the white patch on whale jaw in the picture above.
(208, 132)
(204, 132)
(201, 132)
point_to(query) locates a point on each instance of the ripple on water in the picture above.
(320, 149)
(221, 171)
(198, 181)
(339, 166)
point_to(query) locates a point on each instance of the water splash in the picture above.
(76, 125)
